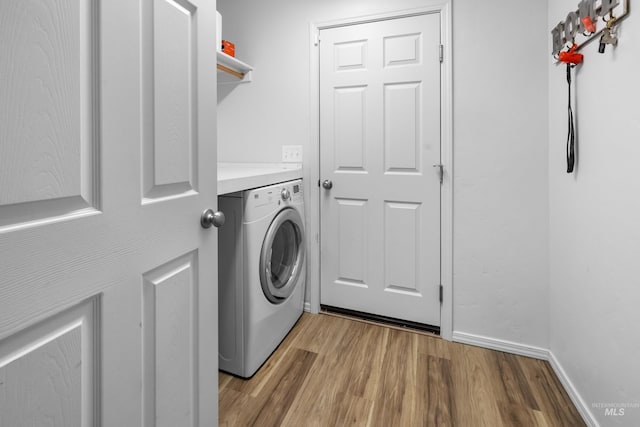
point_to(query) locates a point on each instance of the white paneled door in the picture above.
(379, 142)
(108, 296)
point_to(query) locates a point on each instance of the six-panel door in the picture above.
(379, 139)
(108, 298)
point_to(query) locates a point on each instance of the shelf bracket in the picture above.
(230, 71)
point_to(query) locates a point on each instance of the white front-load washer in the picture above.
(261, 273)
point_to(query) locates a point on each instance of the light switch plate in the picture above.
(292, 153)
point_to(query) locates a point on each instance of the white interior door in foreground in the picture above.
(108, 300)
(379, 139)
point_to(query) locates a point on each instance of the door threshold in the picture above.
(375, 319)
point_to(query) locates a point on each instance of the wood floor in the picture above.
(333, 371)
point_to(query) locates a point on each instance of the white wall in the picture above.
(500, 139)
(500, 186)
(595, 224)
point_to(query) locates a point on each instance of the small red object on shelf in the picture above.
(228, 48)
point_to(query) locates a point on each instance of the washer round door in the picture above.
(282, 256)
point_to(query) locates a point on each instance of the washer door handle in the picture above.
(209, 218)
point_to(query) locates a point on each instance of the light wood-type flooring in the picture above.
(334, 371)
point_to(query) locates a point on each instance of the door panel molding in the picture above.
(312, 173)
(349, 99)
(402, 227)
(402, 127)
(399, 50)
(170, 85)
(60, 358)
(352, 241)
(169, 346)
(52, 106)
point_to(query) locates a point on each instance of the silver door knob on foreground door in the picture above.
(209, 218)
(328, 185)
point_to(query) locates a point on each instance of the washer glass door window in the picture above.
(282, 256)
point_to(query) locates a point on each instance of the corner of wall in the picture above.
(594, 237)
(571, 390)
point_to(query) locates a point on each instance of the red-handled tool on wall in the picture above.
(571, 58)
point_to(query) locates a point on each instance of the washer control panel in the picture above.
(295, 191)
(283, 194)
(291, 192)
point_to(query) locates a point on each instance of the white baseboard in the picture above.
(577, 400)
(501, 345)
(307, 306)
(536, 353)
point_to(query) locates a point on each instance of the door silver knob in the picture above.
(327, 184)
(209, 218)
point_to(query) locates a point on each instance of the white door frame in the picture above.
(312, 157)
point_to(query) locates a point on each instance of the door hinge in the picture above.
(441, 53)
(316, 42)
(441, 292)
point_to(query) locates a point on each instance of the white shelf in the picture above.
(232, 70)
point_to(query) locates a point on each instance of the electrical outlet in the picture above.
(292, 153)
